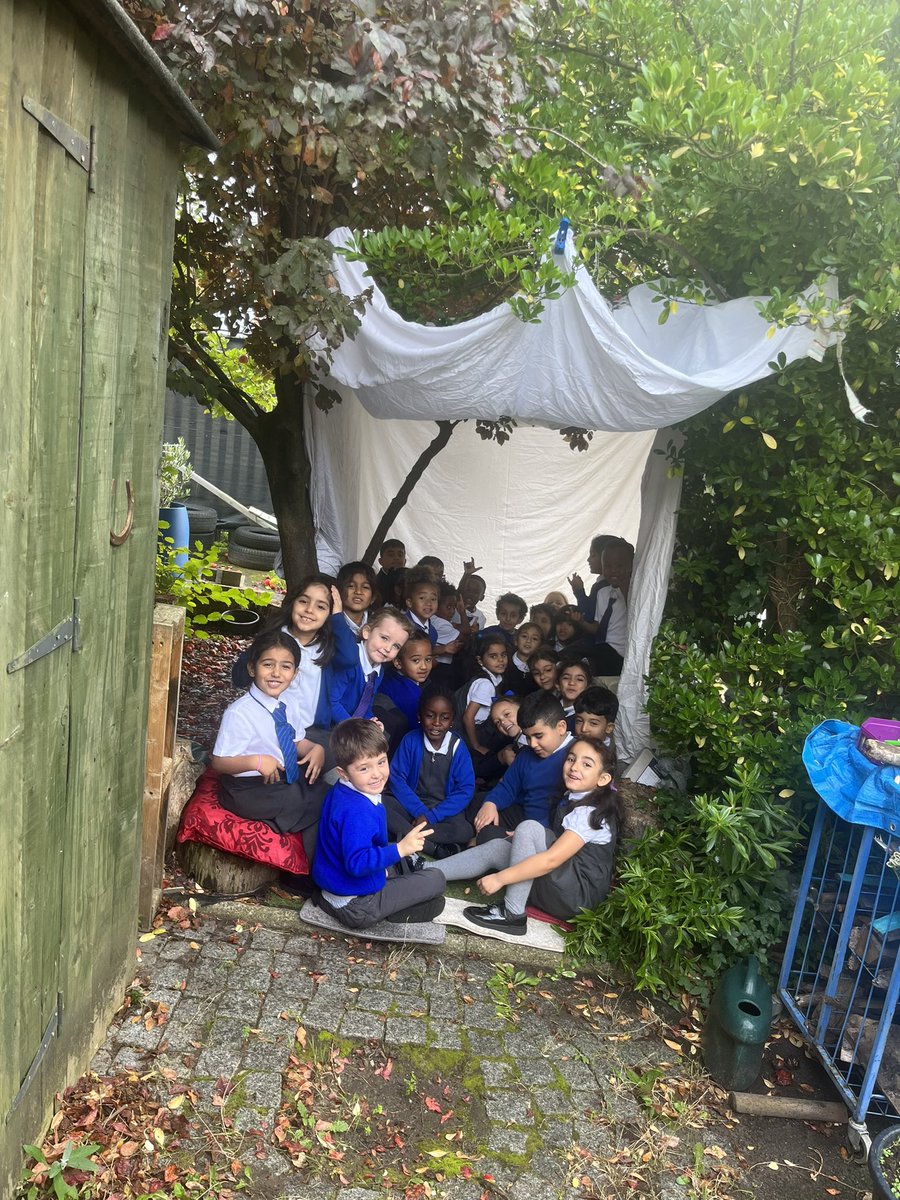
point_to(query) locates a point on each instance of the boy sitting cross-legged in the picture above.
(525, 791)
(364, 877)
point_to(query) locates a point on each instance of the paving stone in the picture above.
(508, 1141)
(556, 1133)
(460, 1189)
(530, 1046)
(599, 1138)
(323, 1016)
(210, 977)
(268, 939)
(576, 1073)
(586, 1100)
(364, 975)
(253, 975)
(408, 1004)
(270, 1020)
(302, 943)
(262, 1089)
(248, 1120)
(374, 1000)
(443, 1003)
(180, 949)
(173, 975)
(527, 1187)
(362, 1025)
(496, 1074)
(101, 1062)
(221, 950)
(131, 1033)
(491, 1045)
(553, 1102)
(168, 996)
(224, 1047)
(243, 1005)
(535, 1070)
(129, 1058)
(444, 1037)
(294, 1190)
(508, 1108)
(481, 1016)
(290, 966)
(266, 1055)
(406, 1031)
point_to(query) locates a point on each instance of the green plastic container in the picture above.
(736, 1027)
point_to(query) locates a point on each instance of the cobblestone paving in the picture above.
(559, 1094)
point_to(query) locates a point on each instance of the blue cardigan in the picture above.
(352, 852)
(532, 782)
(405, 693)
(405, 767)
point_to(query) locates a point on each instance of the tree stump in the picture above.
(639, 811)
(217, 871)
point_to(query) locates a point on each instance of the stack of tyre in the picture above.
(253, 547)
(202, 519)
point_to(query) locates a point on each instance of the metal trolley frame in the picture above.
(840, 978)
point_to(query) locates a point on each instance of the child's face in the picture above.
(310, 611)
(423, 601)
(583, 769)
(617, 565)
(505, 716)
(508, 615)
(385, 641)
(447, 607)
(472, 590)
(543, 672)
(590, 725)
(369, 775)
(595, 556)
(527, 641)
(436, 717)
(273, 671)
(494, 659)
(572, 682)
(415, 661)
(543, 619)
(544, 740)
(565, 630)
(392, 558)
(356, 594)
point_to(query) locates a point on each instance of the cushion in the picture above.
(205, 820)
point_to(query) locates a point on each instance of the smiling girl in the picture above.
(561, 870)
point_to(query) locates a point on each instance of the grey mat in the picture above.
(426, 932)
(540, 934)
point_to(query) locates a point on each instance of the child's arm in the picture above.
(565, 847)
(236, 764)
(340, 686)
(312, 756)
(469, 725)
(400, 784)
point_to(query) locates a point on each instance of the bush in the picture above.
(194, 586)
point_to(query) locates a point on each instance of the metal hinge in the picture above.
(68, 630)
(80, 148)
(52, 1027)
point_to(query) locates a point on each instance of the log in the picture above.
(227, 874)
(788, 1108)
(185, 773)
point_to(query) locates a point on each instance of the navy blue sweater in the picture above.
(404, 692)
(532, 782)
(353, 851)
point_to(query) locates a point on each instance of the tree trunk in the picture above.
(431, 451)
(280, 436)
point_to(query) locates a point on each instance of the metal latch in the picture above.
(68, 630)
(49, 1033)
(80, 148)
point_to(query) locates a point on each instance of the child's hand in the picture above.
(337, 604)
(413, 842)
(576, 583)
(268, 767)
(314, 761)
(469, 567)
(488, 884)
(576, 617)
(507, 756)
(486, 815)
(448, 648)
(375, 721)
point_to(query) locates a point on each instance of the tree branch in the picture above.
(241, 405)
(665, 240)
(620, 183)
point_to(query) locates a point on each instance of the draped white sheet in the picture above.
(527, 510)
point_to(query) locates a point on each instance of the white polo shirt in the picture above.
(248, 726)
(617, 630)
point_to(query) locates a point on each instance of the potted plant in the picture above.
(174, 476)
(884, 1164)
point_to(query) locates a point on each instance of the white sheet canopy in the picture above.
(527, 510)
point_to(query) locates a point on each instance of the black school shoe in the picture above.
(495, 916)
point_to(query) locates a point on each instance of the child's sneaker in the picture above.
(495, 916)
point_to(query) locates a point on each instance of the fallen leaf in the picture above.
(176, 1101)
(432, 1105)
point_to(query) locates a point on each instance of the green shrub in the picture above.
(194, 586)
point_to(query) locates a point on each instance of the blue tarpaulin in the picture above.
(855, 788)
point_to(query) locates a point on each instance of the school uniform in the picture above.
(427, 627)
(433, 782)
(524, 791)
(354, 687)
(484, 690)
(476, 618)
(404, 693)
(356, 864)
(509, 635)
(249, 727)
(518, 677)
(583, 881)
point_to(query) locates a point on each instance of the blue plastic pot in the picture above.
(178, 534)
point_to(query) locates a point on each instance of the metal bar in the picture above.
(840, 949)
(52, 1026)
(66, 631)
(75, 144)
(254, 516)
(799, 909)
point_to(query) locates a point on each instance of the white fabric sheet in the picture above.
(584, 363)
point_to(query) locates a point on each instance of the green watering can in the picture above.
(736, 1027)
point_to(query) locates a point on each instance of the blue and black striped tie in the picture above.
(287, 737)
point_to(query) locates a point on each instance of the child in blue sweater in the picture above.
(404, 679)
(432, 778)
(525, 790)
(364, 877)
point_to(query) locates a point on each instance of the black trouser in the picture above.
(403, 897)
(456, 830)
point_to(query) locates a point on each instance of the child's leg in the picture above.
(472, 864)
(411, 897)
(529, 838)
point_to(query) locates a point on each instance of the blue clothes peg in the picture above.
(559, 246)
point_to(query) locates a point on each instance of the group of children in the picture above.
(462, 750)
